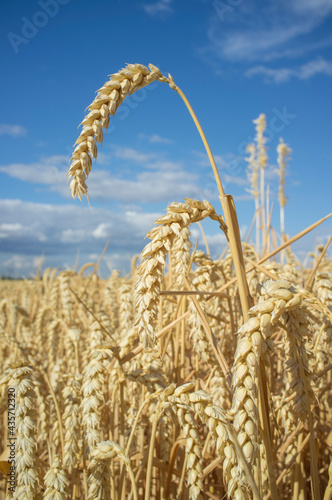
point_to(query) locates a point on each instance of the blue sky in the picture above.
(234, 59)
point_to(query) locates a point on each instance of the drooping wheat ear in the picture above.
(299, 359)
(281, 305)
(288, 421)
(99, 469)
(180, 257)
(109, 97)
(56, 381)
(72, 422)
(43, 416)
(126, 309)
(110, 296)
(53, 333)
(253, 340)
(216, 419)
(56, 481)
(54, 294)
(153, 257)
(179, 400)
(65, 294)
(27, 467)
(96, 337)
(150, 373)
(93, 397)
(323, 288)
(40, 322)
(220, 428)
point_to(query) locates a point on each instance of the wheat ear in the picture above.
(71, 418)
(56, 481)
(280, 305)
(101, 456)
(153, 257)
(127, 81)
(27, 467)
(93, 397)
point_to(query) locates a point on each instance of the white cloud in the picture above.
(48, 170)
(324, 7)
(59, 230)
(303, 49)
(72, 235)
(104, 159)
(11, 228)
(125, 153)
(13, 130)
(155, 139)
(161, 180)
(67, 228)
(157, 8)
(17, 261)
(148, 187)
(304, 72)
(251, 31)
(20, 265)
(228, 166)
(102, 231)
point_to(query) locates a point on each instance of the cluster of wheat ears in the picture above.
(191, 378)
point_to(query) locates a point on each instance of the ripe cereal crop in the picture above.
(191, 377)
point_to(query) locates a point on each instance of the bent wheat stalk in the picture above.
(127, 81)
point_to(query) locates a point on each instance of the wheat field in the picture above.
(189, 378)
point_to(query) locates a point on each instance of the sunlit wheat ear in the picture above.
(99, 469)
(56, 481)
(181, 258)
(122, 84)
(72, 423)
(126, 308)
(153, 257)
(216, 419)
(151, 374)
(93, 397)
(27, 468)
(189, 428)
(280, 305)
